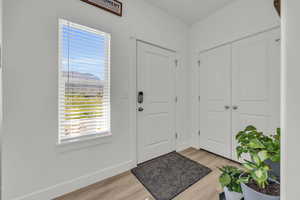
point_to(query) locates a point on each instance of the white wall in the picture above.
(290, 100)
(33, 166)
(237, 20)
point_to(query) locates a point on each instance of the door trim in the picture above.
(238, 39)
(133, 91)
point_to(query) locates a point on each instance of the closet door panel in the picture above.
(215, 99)
(254, 94)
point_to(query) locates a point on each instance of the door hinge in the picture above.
(199, 98)
(176, 99)
(176, 135)
(176, 63)
(199, 133)
(199, 63)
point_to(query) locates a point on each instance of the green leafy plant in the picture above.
(230, 178)
(260, 148)
(252, 141)
(257, 170)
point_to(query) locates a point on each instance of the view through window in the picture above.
(84, 82)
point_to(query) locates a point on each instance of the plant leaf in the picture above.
(276, 157)
(256, 144)
(250, 128)
(256, 158)
(260, 176)
(263, 155)
(243, 179)
(225, 180)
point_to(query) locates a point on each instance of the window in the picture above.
(84, 82)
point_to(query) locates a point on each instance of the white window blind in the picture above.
(84, 82)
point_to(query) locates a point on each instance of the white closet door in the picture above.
(215, 101)
(255, 84)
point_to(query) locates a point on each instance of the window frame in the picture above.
(92, 136)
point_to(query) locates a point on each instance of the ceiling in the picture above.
(190, 11)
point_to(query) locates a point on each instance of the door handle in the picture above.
(227, 107)
(140, 109)
(235, 107)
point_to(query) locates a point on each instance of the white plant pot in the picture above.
(251, 194)
(232, 195)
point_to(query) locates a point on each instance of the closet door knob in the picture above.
(235, 107)
(227, 107)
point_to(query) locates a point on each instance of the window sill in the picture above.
(84, 142)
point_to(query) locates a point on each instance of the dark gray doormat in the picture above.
(167, 176)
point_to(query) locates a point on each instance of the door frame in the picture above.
(133, 120)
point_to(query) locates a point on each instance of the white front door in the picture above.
(256, 83)
(215, 101)
(155, 101)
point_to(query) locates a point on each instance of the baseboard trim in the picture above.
(77, 183)
(182, 146)
(194, 145)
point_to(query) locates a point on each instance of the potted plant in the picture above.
(252, 141)
(229, 179)
(274, 152)
(256, 182)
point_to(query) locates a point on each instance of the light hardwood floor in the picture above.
(126, 187)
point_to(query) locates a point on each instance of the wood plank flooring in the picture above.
(126, 187)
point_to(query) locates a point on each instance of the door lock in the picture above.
(140, 97)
